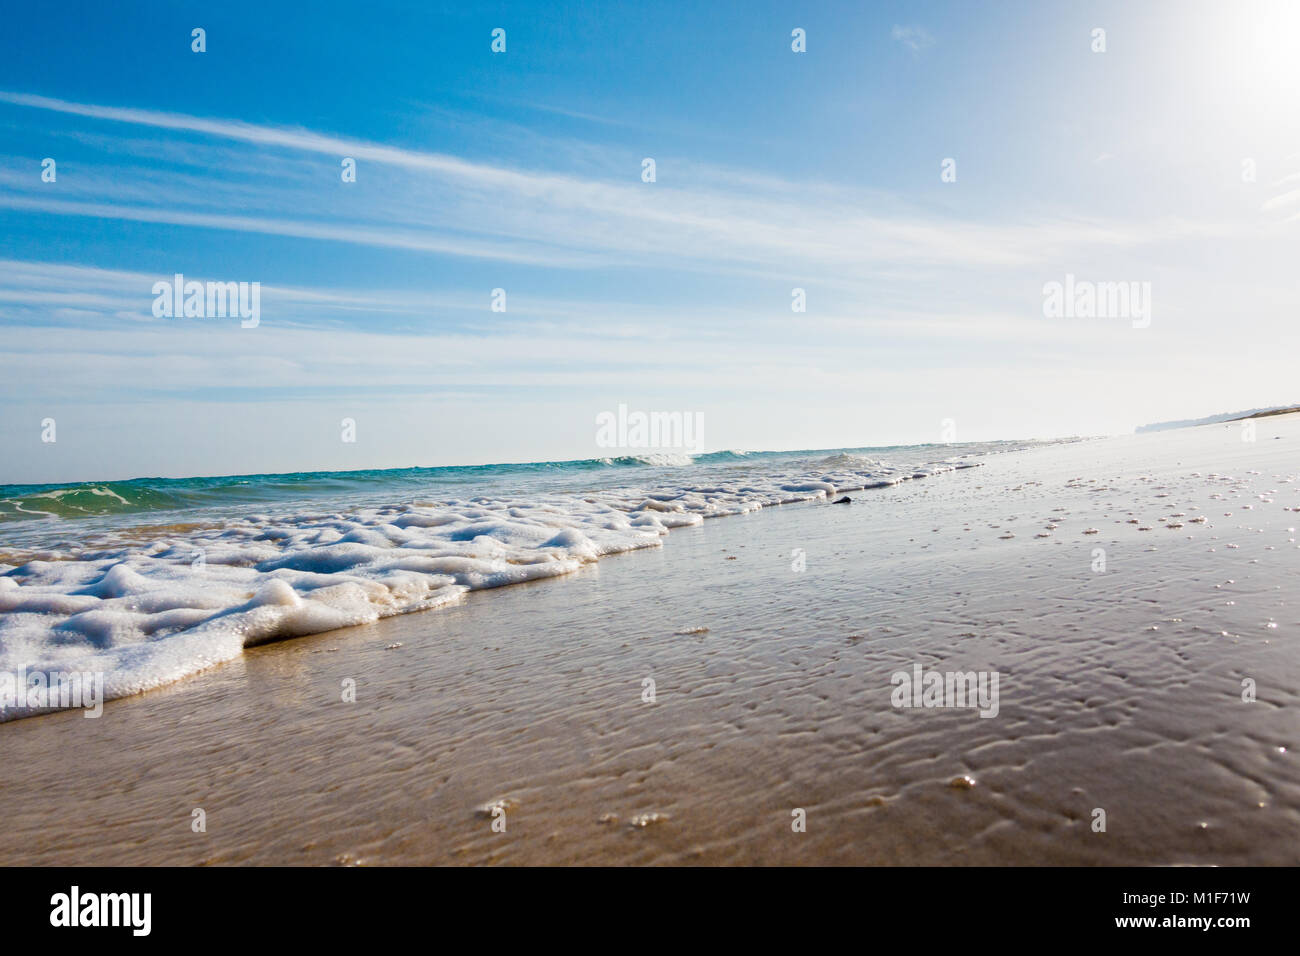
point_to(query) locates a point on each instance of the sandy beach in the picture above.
(1120, 689)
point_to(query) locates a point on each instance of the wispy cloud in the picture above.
(696, 218)
(915, 38)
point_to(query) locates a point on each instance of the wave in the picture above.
(665, 458)
(96, 498)
(730, 455)
(25, 502)
(139, 495)
(846, 460)
(148, 605)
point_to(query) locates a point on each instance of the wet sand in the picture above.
(1119, 690)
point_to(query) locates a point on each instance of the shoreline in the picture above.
(275, 576)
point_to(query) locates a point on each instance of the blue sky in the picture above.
(522, 171)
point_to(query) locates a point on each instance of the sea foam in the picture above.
(150, 606)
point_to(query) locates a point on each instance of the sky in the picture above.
(922, 171)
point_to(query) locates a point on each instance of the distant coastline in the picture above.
(1216, 419)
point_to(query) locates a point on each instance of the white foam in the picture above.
(149, 613)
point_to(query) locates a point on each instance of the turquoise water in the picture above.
(80, 499)
(40, 515)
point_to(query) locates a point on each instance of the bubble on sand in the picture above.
(642, 820)
(490, 808)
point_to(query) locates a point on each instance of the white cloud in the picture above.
(915, 38)
(697, 218)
